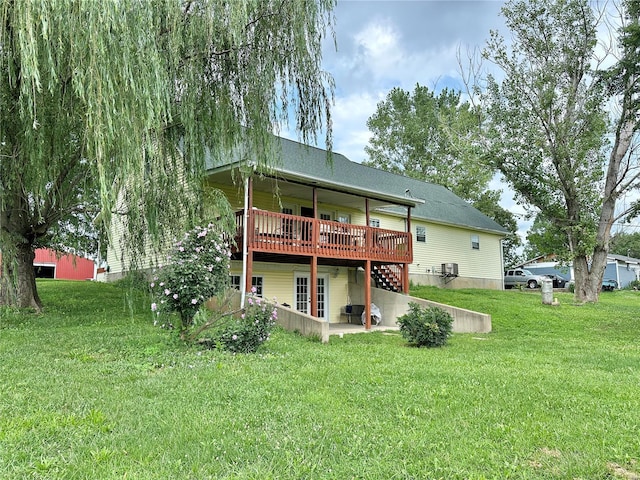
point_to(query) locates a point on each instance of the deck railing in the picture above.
(273, 232)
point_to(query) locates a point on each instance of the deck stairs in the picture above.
(385, 278)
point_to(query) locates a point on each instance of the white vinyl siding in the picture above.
(119, 261)
(449, 244)
(279, 280)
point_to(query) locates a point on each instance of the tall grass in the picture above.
(91, 390)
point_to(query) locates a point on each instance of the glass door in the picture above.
(303, 294)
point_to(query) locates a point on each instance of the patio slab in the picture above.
(346, 328)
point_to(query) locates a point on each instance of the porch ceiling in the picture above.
(305, 192)
(288, 188)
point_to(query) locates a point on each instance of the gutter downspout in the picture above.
(502, 262)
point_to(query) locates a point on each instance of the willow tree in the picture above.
(550, 134)
(104, 101)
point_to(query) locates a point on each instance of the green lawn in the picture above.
(91, 390)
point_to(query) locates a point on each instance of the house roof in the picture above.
(549, 259)
(623, 258)
(429, 201)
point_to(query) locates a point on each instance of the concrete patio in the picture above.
(346, 328)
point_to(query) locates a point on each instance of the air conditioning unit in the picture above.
(449, 269)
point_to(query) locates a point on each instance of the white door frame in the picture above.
(325, 294)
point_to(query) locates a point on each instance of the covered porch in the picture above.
(280, 237)
(280, 233)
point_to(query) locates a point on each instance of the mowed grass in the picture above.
(92, 390)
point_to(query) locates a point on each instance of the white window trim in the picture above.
(254, 278)
(475, 242)
(340, 215)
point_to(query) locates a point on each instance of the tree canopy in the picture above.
(548, 129)
(628, 244)
(427, 136)
(110, 107)
(434, 138)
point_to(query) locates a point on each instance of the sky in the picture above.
(382, 44)
(387, 44)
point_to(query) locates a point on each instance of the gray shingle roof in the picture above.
(440, 205)
(430, 202)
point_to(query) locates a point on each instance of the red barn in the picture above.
(51, 264)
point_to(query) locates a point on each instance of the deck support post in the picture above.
(405, 278)
(367, 294)
(405, 266)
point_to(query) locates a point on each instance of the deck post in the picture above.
(405, 266)
(367, 295)
(405, 278)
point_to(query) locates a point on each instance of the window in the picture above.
(475, 242)
(421, 234)
(325, 216)
(344, 218)
(374, 222)
(256, 282)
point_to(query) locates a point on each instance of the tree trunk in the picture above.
(18, 279)
(588, 277)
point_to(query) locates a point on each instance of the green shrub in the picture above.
(246, 333)
(634, 285)
(425, 326)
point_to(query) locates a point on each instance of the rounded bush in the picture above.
(246, 333)
(425, 326)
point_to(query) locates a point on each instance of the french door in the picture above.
(303, 294)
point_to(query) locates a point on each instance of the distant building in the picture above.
(51, 264)
(621, 268)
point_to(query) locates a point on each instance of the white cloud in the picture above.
(350, 115)
(378, 46)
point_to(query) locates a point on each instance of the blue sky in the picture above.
(387, 44)
(383, 44)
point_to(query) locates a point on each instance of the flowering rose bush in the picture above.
(197, 269)
(246, 333)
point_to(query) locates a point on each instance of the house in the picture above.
(51, 264)
(335, 229)
(621, 268)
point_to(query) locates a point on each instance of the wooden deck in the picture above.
(279, 233)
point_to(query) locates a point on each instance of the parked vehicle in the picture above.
(609, 285)
(558, 281)
(520, 276)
